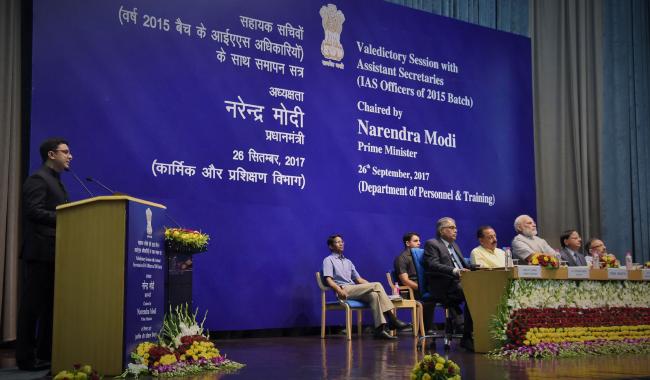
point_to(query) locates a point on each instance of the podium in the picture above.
(109, 281)
(483, 291)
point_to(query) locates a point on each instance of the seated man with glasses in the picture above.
(444, 264)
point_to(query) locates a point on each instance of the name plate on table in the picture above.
(617, 273)
(578, 272)
(529, 271)
(645, 274)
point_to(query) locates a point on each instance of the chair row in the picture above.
(409, 300)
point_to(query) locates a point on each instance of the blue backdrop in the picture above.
(329, 95)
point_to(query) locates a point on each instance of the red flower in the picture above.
(156, 352)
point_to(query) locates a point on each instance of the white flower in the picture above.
(190, 330)
(136, 369)
(584, 294)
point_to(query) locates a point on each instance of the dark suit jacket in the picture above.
(566, 256)
(42, 192)
(440, 268)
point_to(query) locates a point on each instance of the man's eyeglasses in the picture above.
(450, 227)
(64, 151)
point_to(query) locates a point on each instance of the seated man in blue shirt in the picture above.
(340, 275)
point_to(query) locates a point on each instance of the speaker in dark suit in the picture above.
(42, 192)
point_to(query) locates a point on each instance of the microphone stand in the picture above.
(90, 179)
(81, 182)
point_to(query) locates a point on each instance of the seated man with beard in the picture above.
(527, 242)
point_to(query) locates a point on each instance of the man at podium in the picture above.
(42, 192)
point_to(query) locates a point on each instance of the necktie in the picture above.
(454, 257)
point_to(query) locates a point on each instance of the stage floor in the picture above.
(365, 358)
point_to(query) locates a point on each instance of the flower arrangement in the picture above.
(181, 240)
(573, 349)
(533, 326)
(647, 265)
(79, 372)
(609, 261)
(538, 318)
(544, 260)
(183, 349)
(435, 367)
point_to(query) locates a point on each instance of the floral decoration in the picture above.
(544, 260)
(181, 240)
(609, 261)
(646, 265)
(435, 367)
(78, 372)
(541, 318)
(182, 349)
(573, 349)
(533, 326)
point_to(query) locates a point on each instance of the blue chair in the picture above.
(347, 305)
(426, 296)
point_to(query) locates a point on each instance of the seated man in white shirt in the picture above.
(527, 242)
(487, 255)
(571, 243)
(595, 245)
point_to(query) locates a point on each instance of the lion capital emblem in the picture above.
(333, 20)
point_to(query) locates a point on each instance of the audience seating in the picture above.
(347, 305)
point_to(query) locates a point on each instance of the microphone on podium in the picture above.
(172, 219)
(90, 179)
(80, 182)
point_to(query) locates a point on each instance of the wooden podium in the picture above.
(483, 291)
(106, 272)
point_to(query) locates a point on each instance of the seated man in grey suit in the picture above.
(527, 242)
(444, 264)
(571, 242)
